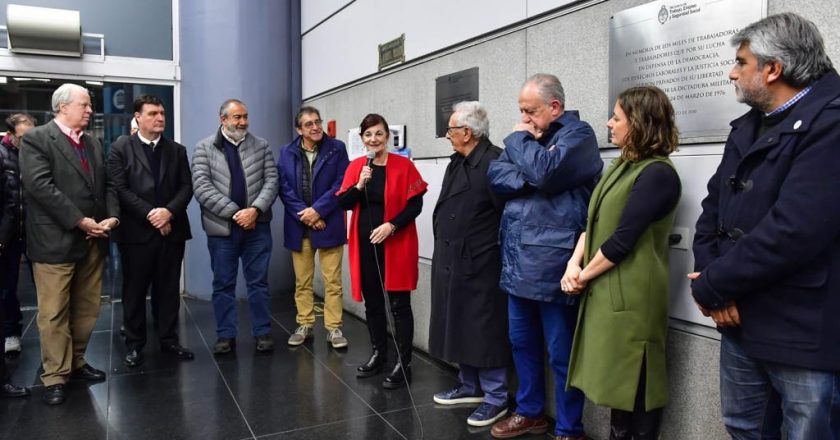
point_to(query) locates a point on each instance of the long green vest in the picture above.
(623, 316)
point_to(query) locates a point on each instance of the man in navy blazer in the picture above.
(151, 175)
(767, 246)
(311, 169)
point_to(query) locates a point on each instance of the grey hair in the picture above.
(64, 95)
(223, 110)
(473, 115)
(790, 40)
(549, 87)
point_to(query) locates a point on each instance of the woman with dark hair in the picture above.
(385, 195)
(620, 267)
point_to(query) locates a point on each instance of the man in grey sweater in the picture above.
(235, 183)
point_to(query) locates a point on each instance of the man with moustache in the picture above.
(546, 173)
(311, 169)
(767, 246)
(151, 175)
(235, 183)
(70, 212)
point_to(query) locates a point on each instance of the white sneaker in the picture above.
(300, 335)
(337, 339)
(12, 344)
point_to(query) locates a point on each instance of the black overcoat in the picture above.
(469, 322)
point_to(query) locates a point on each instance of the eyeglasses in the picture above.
(310, 124)
(449, 129)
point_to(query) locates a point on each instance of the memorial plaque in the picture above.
(392, 52)
(450, 90)
(683, 48)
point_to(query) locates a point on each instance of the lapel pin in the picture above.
(797, 124)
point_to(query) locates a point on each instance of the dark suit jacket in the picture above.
(59, 194)
(131, 175)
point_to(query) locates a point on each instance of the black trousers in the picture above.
(3, 373)
(637, 424)
(400, 302)
(155, 265)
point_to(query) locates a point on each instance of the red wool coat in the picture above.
(402, 181)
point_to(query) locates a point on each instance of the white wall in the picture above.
(573, 46)
(345, 47)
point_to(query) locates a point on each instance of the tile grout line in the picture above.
(219, 370)
(323, 364)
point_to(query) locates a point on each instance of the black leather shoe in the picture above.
(54, 394)
(264, 343)
(183, 353)
(134, 358)
(396, 379)
(88, 374)
(9, 390)
(373, 366)
(224, 345)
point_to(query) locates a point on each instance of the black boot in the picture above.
(396, 379)
(646, 424)
(621, 424)
(374, 365)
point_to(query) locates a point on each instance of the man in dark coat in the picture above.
(468, 323)
(151, 175)
(70, 211)
(767, 246)
(12, 237)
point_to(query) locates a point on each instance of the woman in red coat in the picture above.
(385, 195)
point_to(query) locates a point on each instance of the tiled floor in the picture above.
(306, 392)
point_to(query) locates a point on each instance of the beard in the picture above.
(755, 94)
(237, 134)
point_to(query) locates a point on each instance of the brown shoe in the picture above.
(517, 425)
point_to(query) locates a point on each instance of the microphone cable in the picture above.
(388, 316)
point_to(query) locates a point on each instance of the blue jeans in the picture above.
(759, 398)
(533, 324)
(491, 381)
(254, 249)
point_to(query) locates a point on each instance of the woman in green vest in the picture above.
(620, 268)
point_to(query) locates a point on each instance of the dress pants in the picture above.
(491, 381)
(10, 265)
(253, 247)
(155, 264)
(533, 325)
(68, 305)
(304, 265)
(375, 312)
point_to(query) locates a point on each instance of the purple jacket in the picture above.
(327, 175)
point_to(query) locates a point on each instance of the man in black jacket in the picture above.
(151, 176)
(767, 246)
(11, 227)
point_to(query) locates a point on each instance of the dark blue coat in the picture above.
(547, 185)
(769, 234)
(327, 175)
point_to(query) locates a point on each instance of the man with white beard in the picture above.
(235, 183)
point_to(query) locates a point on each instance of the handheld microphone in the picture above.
(370, 155)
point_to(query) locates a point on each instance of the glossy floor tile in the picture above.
(305, 392)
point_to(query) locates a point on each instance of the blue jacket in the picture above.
(769, 234)
(547, 185)
(327, 175)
